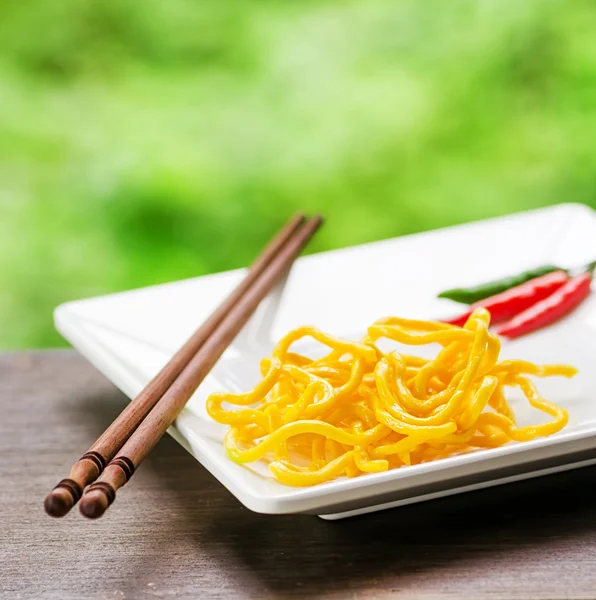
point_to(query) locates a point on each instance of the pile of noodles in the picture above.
(360, 410)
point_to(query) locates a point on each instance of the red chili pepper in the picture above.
(507, 304)
(551, 309)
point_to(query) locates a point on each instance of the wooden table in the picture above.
(175, 532)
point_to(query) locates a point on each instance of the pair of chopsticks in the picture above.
(114, 457)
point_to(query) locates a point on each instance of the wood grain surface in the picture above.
(175, 532)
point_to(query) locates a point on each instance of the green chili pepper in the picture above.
(490, 288)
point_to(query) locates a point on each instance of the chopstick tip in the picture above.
(97, 500)
(58, 503)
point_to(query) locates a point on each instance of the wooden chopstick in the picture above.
(99, 495)
(86, 470)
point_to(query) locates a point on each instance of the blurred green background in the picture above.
(143, 141)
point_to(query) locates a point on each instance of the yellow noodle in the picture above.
(360, 410)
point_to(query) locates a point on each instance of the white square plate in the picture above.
(130, 336)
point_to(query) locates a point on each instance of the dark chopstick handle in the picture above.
(98, 497)
(86, 470)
